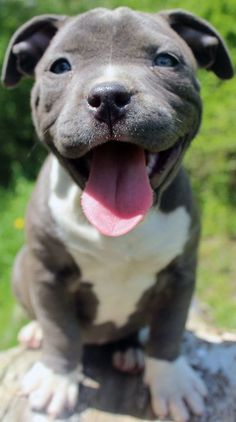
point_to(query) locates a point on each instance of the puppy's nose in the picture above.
(109, 101)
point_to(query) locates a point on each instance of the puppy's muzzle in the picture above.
(109, 102)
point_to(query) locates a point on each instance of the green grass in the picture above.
(12, 211)
(216, 279)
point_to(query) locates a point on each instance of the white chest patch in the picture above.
(123, 268)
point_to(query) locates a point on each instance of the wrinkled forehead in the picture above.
(116, 34)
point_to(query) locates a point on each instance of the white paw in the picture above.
(175, 389)
(31, 335)
(130, 360)
(50, 392)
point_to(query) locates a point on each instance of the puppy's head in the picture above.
(116, 100)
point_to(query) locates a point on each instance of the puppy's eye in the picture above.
(166, 60)
(60, 66)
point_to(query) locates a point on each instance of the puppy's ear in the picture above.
(27, 46)
(207, 45)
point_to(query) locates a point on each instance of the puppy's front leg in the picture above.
(52, 384)
(175, 387)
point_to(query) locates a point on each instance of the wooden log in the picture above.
(109, 396)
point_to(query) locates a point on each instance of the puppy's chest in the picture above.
(120, 269)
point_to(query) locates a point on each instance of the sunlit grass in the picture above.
(12, 211)
(216, 279)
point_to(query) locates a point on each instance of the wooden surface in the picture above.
(109, 396)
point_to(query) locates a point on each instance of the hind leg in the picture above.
(30, 336)
(130, 360)
(129, 355)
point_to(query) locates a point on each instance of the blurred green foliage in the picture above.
(12, 210)
(211, 161)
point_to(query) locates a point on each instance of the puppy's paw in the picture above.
(51, 392)
(175, 389)
(130, 360)
(31, 335)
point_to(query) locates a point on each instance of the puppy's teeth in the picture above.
(152, 160)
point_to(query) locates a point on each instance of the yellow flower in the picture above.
(19, 223)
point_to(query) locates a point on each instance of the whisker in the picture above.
(32, 149)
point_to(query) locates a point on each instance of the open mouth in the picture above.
(118, 179)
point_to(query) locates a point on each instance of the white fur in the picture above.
(50, 391)
(111, 73)
(123, 268)
(31, 335)
(172, 385)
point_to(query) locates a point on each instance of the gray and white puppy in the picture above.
(112, 230)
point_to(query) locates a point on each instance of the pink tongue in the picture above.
(118, 193)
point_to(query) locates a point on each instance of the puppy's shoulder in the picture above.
(41, 229)
(179, 194)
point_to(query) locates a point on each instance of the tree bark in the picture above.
(109, 396)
